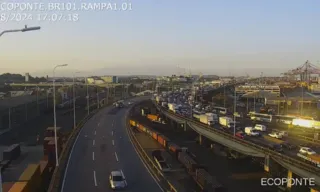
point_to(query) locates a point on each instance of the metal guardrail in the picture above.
(308, 139)
(299, 163)
(145, 155)
(59, 172)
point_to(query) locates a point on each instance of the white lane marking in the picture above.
(93, 142)
(112, 133)
(154, 178)
(95, 132)
(85, 135)
(66, 171)
(112, 142)
(115, 154)
(95, 178)
(98, 124)
(93, 156)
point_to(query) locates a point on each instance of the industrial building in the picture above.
(102, 80)
(245, 89)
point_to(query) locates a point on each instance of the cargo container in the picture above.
(154, 118)
(155, 135)
(174, 147)
(187, 161)
(12, 152)
(6, 186)
(50, 131)
(161, 140)
(166, 141)
(206, 119)
(132, 123)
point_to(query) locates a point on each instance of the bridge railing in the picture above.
(299, 163)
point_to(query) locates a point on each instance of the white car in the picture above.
(307, 150)
(260, 127)
(275, 135)
(117, 180)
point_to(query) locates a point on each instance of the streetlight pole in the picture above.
(54, 113)
(86, 80)
(74, 102)
(25, 29)
(234, 113)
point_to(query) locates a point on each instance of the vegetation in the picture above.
(18, 78)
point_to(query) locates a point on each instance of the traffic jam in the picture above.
(265, 129)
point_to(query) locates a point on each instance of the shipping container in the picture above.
(174, 147)
(161, 140)
(6, 186)
(132, 123)
(155, 135)
(187, 161)
(166, 141)
(50, 131)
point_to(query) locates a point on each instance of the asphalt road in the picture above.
(102, 146)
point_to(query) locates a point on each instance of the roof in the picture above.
(15, 101)
(116, 173)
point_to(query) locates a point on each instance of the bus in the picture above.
(220, 110)
(260, 117)
(285, 119)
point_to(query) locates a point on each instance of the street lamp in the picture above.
(74, 101)
(25, 29)
(54, 113)
(86, 81)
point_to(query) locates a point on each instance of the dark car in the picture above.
(288, 146)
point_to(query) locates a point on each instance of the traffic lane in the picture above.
(104, 154)
(137, 175)
(79, 175)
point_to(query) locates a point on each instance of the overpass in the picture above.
(296, 166)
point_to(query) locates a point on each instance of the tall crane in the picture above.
(305, 71)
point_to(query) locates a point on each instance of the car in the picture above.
(117, 180)
(307, 150)
(288, 146)
(240, 135)
(260, 127)
(275, 135)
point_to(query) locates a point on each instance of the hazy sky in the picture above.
(210, 36)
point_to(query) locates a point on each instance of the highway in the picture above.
(102, 146)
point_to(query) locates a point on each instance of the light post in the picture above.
(54, 113)
(86, 80)
(234, 113)
(25, 29)
(74, 102)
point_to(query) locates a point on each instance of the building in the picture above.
(245, 89)
(110, 79)
(26, 77)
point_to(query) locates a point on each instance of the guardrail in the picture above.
(308, 139)
(59, 172)
(145, 156)
(299, 163)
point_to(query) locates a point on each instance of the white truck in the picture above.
(173, 107)
(206, 119)
(226, 122)
(251, 131)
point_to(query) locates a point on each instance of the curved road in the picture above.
(102, 146)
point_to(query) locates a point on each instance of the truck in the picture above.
(226, 122)
(251, 131)
(206, 119)
(155, 118)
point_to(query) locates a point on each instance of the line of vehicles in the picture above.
(198, 172)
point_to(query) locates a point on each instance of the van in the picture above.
(260, 127)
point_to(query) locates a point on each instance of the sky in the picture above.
(162, 37)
